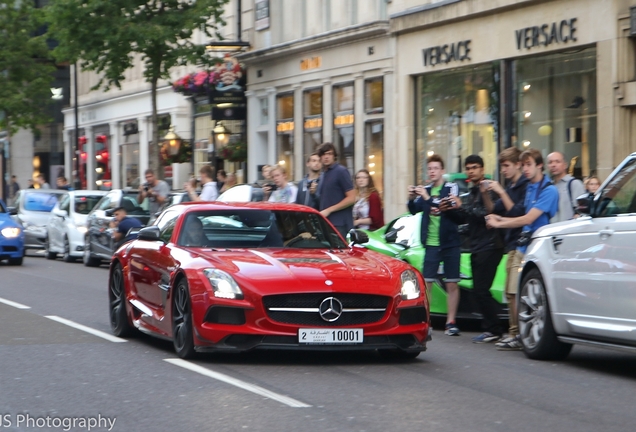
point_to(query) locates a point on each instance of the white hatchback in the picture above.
(577, 282)
(67, 224)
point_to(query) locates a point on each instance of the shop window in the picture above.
(285, 133)
(343, 100)
(556, 107)
(458, 114)
(130, 165)
(312, 121)
(374, 152)
(264, 114)
(374, 96)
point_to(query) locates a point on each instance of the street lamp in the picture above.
(220, 136)
(171, 142)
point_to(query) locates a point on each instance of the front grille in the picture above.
(349, 317)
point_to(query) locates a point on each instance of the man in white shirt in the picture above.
(285, 192)
(569, 187)
(209, 191)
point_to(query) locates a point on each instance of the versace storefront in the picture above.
(539, 76)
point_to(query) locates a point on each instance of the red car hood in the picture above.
(306, 270)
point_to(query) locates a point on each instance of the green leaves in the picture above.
(25, 66)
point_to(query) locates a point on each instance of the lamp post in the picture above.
(171, 142)
(220, 136)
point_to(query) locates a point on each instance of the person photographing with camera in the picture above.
(155, 190)
(282, 191)
(439, 235)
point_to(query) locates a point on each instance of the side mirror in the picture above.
(391, 236)
(584, 204)
(12, 211)
(150, 233)
(358, 236)
(109, 212)
(60, 213)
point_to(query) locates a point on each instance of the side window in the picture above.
(64, 203)
(619, 195)
(166, 228)
(105, 203)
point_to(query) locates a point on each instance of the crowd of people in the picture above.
(500, 221)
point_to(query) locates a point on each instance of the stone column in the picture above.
(144, 136)
(327, 111)
(69, 150)
(114, 152)
(271, 135)
(299, 163)
(358, 125)
(89, 148)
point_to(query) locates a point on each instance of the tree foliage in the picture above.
(106, 36)
(26, 68)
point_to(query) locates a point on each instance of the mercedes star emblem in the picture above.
(330, 309)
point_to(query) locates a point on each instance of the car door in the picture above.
(57, 226)
(97, 224)
(151, 265)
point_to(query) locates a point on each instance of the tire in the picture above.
(182, 332)
(535, 321)
(16, 261)
(47, 252)
(119, 322)
(397, 354)
(89, 259)
(66, 257)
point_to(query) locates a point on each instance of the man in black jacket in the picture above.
(486, 246)
(439, 235)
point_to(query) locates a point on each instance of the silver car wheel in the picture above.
(532, 308)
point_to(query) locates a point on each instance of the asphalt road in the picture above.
(51, 369)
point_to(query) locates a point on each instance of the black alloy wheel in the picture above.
(66, 257)
(537, 333)
(182, 321)
(47, 250)
(119, 323)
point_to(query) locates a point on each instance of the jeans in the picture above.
(484, 267)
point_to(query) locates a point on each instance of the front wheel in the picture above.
(182, 321)
(47, 250)
(119, 322)
(89, 259)
(16, 261)
(535, 321)
(67, 257)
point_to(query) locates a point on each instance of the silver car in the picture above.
(32, 209)
(67, 224)
(577, 284)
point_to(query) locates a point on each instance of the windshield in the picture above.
(256, 228)
(40, 201)
(84, 204)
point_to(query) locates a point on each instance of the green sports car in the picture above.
(401, 239)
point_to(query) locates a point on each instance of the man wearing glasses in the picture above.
(335, 191)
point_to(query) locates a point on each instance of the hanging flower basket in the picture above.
(235, 152)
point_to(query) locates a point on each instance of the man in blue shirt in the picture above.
(122, 224)
(540, 203)
(335, 190)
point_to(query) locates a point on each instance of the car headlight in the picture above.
(223, 284)
(410, 285)
(10, 232)
(82, 229)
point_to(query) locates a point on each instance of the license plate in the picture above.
(330, 336)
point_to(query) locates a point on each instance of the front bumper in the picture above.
(11, 248)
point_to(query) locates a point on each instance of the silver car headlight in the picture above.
(223, 284)
(410, 285)
(10, 232)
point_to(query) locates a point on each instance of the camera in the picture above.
(524, 238)
(146, 187)
(271, 186)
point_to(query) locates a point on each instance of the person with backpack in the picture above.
(569, 187)
(540, 204)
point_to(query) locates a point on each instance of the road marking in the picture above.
(94, 332)
(238, 383)
(14, 304)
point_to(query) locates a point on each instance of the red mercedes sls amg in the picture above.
(236, 277)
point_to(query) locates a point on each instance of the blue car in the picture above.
(11, 238)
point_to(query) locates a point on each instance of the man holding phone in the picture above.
(439, 234)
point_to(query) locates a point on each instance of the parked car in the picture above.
(98, 242)
(400, 239)
(242, 193)
(32, 209)
(242, 276)
(11, 238)
(577, 278)
(67, 224)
